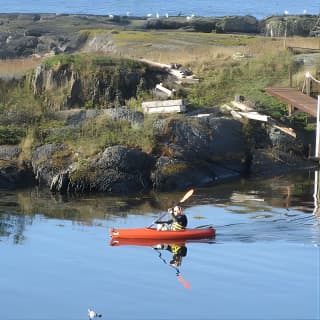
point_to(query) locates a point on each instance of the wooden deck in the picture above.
(295, 98)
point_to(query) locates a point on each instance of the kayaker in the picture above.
(179, 220)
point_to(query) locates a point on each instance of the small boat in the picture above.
(152, 233)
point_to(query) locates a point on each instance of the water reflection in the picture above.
(171, 254)
(258, 199)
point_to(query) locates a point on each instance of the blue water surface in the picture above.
(262, 264)
(258, 9)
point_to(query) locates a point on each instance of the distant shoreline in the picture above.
(146, 17)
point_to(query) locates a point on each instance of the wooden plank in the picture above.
(254, 116)
(286, 130)
(164, 90)
(295, 98)
(164, 106)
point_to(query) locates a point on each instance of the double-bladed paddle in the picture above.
(183, 199)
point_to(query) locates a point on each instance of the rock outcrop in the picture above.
(117, 170)
(107, 83)
(198, 151)
(288, 25)
(48, 161)
(189, 152)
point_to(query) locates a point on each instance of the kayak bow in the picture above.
(153, 233)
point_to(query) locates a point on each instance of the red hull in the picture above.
(152, 233)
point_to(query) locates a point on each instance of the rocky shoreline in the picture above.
(194, 151)
(198, 148)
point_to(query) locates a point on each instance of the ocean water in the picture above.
(57, 259)
(259, 9)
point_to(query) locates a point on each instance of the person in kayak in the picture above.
(179, 220)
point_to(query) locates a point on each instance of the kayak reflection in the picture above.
(178, 251)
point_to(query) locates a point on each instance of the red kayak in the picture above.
(153, 233)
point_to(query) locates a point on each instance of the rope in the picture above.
(309, 75)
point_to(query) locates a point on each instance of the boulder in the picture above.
(49, 160)
(117, 170)
(123, 113)
(209, 139)
(175, 174)
(9, 152)
(198, 152)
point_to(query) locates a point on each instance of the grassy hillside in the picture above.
(227, 65)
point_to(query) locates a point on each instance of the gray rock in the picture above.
(211, 138)
(75, 117)
(123, 113)
(288, 25)
(117, 170)
(9, 152)
(45, 165)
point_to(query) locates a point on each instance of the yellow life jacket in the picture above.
(177, 226)
(175, 248)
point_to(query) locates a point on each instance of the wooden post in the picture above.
(316, 192)
(318, 129)
(308, 85)
(290, 76)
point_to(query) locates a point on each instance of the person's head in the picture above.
(177, 210)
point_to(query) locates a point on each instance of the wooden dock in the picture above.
(295, 99)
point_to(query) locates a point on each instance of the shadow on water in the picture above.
(269, 203)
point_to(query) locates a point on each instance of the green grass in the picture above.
(84, 62)
(95, 135)
(248, 78)
(11, 135)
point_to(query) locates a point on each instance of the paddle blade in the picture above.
(185, 283)
(187, 195)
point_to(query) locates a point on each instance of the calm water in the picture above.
(56, 258)
(256, 8)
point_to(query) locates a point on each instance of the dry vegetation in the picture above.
(196, 48)
(15, 68)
